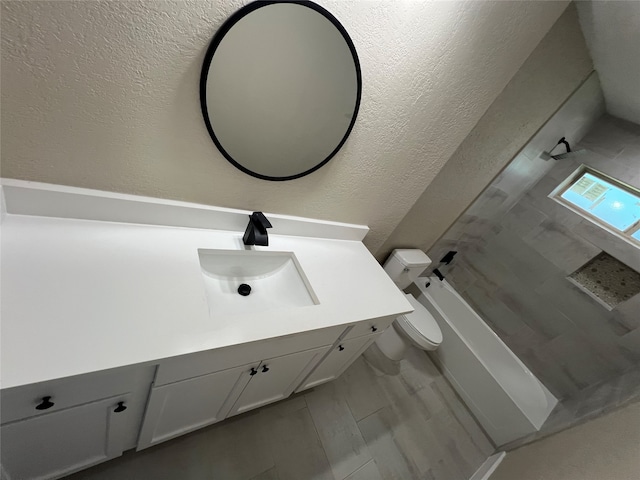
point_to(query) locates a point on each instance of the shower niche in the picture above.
(607, 280)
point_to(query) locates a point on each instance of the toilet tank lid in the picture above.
(411, 257)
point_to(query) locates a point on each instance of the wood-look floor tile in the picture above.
(179, 458)
(429, 476)
(360, 387)
(394, 388)
(417, 370)
(339, 434)
(295, 447)
(236, 449)
(285, 407)
(460, 411)
(426, 444)
(442, 470)
(368, 472)
(378, 431)
(412, 433)
(374, 357)
(233, 449)
(271, 474)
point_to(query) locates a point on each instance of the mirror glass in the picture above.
(280, 88)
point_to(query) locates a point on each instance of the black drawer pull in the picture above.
(374, 329)
(46, 403)
(265, 369)
(253, 371)
(120, 408)
(340, 347)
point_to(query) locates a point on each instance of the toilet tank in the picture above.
(405, 265)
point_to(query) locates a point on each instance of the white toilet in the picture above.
(418, 327)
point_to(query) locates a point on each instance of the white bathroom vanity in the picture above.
(122, 326)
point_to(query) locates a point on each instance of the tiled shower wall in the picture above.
(516, 248)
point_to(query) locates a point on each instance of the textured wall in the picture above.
(605, 448)
(612, 34)
(558, 65)
(516, 247)
(104, 94)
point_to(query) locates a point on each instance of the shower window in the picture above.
(603, 200)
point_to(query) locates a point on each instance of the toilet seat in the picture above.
(420, 326)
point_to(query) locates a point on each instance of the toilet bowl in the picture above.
(417, 328)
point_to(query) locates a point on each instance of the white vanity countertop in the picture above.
(81, 295)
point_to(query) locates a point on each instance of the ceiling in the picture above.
(612, 32)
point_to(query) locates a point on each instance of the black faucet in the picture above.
(438, 274)
(256, 232)
(448, 258)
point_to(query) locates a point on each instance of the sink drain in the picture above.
(244, 289)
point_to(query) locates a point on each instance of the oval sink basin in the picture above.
(275, 280)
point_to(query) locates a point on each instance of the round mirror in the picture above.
(280, 88)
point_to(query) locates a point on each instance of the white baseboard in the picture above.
(488, 467)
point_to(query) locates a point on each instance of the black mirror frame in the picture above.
(220, 34)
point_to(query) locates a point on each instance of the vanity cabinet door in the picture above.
(337, 361)
(181, 407)
(276, 379)
(53, 445)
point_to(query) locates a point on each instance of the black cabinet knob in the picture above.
(46, 403)
(253, 371)
(265, 369)
(374, 329)
(340, 347)
(120, 408)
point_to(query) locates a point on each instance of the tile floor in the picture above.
(404, 424)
